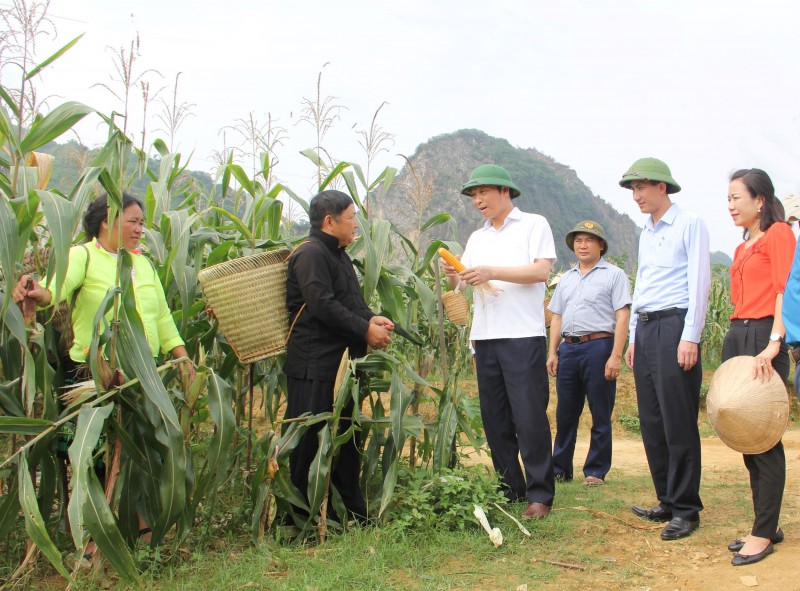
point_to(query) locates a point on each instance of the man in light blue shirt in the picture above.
(591, 310)
(791, 314)
(670, 300)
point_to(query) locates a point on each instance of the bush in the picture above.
(444, 500)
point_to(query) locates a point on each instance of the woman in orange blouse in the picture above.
(758, 277)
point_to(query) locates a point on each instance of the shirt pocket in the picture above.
(666, 255)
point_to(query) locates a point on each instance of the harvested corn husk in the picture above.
(495, 535)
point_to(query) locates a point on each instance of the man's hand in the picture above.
(378, 336)
(613, 366)
(382, 321)
(629, 356)
(27, 287)
(449, 270)
(477, 275)
(687, 354)
(552, 364)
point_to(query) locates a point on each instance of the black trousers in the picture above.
(316, 396)
(669, 402)
(767, 470)
(514, 392)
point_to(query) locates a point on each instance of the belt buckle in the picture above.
(573, 340)
(643, 316)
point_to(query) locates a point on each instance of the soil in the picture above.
(636, 557)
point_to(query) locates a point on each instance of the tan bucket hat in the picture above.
(748, 415)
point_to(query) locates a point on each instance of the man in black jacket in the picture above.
(330, 315)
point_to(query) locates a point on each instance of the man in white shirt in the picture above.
(515, 251)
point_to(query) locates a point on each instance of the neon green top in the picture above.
(99, 276)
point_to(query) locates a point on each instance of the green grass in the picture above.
(432, 558)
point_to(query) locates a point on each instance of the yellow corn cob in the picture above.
(451, 260)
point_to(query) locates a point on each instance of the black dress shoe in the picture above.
(738, 543)
(657, 513)
(742, 560)
(678, 528)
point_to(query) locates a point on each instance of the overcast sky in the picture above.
(708, 86)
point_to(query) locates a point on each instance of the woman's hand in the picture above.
(27, 287)
(762, 364)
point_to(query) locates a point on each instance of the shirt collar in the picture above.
(668, 217)
(331, 242)
(514, 214)
(601, 264)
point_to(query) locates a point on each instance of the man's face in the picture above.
(651, 198)
(343, 228)
(587, 248)
(491, 201)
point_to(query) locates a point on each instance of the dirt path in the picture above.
(702, 561)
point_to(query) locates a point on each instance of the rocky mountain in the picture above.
(431, 181)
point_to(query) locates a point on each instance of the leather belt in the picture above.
(648, 316)
(586, 337)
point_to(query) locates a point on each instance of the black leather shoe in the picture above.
(738, 543)
(678, 528)
(657, 513)
(742, 560)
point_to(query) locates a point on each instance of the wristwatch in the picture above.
(776, 337)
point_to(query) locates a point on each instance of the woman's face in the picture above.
(132, 226)
(743, 207)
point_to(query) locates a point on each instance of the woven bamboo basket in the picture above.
(456, 306)
(548, 315)
(248, 296)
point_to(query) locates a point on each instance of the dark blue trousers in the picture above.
(669, 401)
(514, 392)
(581, 376)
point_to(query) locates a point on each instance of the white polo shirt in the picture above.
(518, 311)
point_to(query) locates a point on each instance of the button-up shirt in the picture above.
(518, 310)
(321, 276)
(674, 270)
(587, 303)
(791, 302)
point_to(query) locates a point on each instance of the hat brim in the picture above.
(491, 182)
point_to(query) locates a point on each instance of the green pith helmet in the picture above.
(649, 169)
(491, 175)
(587, 227)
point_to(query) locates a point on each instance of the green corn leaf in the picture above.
(7, 129)
(319, 470)
(241, 176)
(389, 483)
(100, 522)
(312, 155)
(53, 57)
(399, 401)
(219, 406)
(297, 199)
(352, 188)
(9, 508)
(8, 248)
(160, 147)
(236, 222)
(87, 433)
(23, 426)
(81, 193)
(274, 212)
(445, 436)
(434, 221)
(34, 523)
(337, 170)
(9, 103)
(59, 214)
(56, 122)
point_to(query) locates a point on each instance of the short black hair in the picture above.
(331, 203)
(97, 212)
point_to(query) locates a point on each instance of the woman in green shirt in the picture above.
(92, 271)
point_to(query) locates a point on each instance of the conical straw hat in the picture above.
(747, 414)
